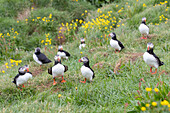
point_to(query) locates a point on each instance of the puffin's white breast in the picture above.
(82, 46)
(57, 70)
(86, 72)
(36, 59)
(150, 60)
(143, 29)
(23, 79)
(115, 44)
(61, 54)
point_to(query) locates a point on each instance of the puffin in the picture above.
(86, 70)
(58, 69)
(22, 77)
(82, 45)
(144, 29)
(116, 44)
(151, 59)
(40, 57)
(62, 53)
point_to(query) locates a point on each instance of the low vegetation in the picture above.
(123, 82)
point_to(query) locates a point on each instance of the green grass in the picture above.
(108, 92)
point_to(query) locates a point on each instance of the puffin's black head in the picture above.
(150, 46)
(60, 47)
(113, 35)
(57, 58)
(22, 70)
(84, 60)
(144, 20)
(37, 50)
(82, 40)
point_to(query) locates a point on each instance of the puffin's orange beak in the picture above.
(58, 59)
(27, 69)
(148, 48)
(145, 20)
(80, 60)
(61, 48)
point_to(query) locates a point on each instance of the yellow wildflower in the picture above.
(143, 108)
(147, 105)
(59, 95)
(3, 71)
(169, 105)
(165, 102)
(14, 36)
(156, 89)
(148, 89)
(144, 5)
(116, 5)
(154, 104)
(81, 52)
(17, 21)
(42, 41)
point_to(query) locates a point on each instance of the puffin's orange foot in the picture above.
(154, 72)
(83, 81)
(143, 38)
(23, 85)
(63, 81)
(54, 83)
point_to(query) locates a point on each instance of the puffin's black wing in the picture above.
(67, 53)
(120, 44)
(43, 58)
(157, 58)
(50, 70)
(65, 68)
(15, 78)
(92, 71)
(29, 72)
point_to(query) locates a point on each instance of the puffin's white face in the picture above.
(144, 19)
(150, 46)
(26, 67)
(22, 70)
(84, 59)
(60, 47)
(57, 58)
(111, 35)
(82, 40)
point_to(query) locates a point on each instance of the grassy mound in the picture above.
(123, 91)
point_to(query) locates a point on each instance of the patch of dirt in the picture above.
(117, 66)
(151, 36)
(94, 49)
(24, 14)
(49, 85)
(98, 65)
(101, 54)
(36, 70)
(128, 57)
(132, 56)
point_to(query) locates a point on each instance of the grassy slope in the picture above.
(107, 92)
